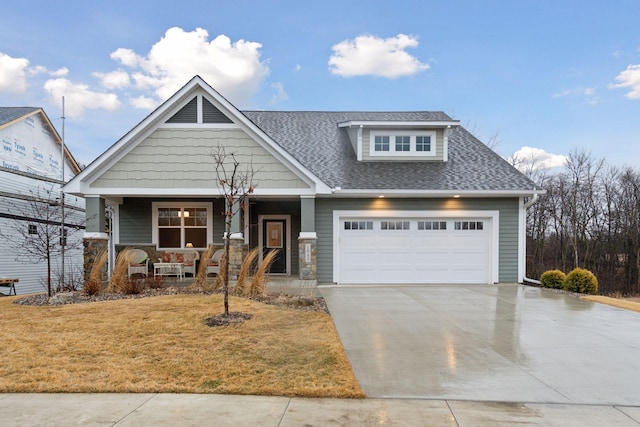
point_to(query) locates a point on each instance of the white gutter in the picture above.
(526, 206)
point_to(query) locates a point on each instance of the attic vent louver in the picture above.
(187, 114)
(210, 114)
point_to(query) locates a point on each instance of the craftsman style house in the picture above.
(31, 168)
(346, 197)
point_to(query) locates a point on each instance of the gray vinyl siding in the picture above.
(181, 158)
(508, 230)
(136, 216)
(366, 144)
(135, 221)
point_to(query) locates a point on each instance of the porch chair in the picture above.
(213, 265)
(138, 262)
(189, 262)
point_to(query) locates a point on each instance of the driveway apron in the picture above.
(506, 343)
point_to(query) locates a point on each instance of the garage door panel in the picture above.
(415, 256)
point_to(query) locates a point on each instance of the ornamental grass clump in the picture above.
(93, 285)
(118, 276)
(552, 279)
(245, 271)
(259, 280)
(581, 281)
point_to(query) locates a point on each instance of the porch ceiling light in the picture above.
(456, 196)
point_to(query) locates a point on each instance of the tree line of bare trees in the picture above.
(588, 218)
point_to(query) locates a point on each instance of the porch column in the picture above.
(235, 219)
(95, 239)
(307, 259)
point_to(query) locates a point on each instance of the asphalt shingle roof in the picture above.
(8, 114)
(316, 141)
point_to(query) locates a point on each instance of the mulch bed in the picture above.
(304, 303)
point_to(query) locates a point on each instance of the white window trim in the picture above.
(392, 144)
(185, 204)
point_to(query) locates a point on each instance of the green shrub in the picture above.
(581, 281)
(552, 279)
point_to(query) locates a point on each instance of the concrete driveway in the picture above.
(506, 343)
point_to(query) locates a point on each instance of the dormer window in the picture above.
(403, 143)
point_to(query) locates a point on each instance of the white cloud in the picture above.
(233, 68)
(126, 57)
(78, 97)
(280, 94)
(629, 78)
(40, 69)
(589, 94)
(144, 102)
(114, 80)
(529, 159)
(13, 76)
(371, 55)
(297, 68)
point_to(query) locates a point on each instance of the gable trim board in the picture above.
(82, 184)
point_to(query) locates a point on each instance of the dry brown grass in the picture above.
(117, 284)
(161, 344)
(94, 284)
(260, 277)
(200, 282)
(627, 304)
(245, 270)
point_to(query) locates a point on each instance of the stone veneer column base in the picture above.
(237, 253)
(93, 244)
(307, 256)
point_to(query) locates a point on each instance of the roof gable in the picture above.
(197, 104)
(10, 116)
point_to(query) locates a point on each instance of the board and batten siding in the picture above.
(181, 158)
(366, 144)
(508, 229)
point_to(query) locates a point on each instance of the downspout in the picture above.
(527, 206)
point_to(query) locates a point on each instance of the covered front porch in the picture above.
(172, 224)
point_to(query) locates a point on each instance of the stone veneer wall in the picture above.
(91, 248)
(307, 258)
(238, 250)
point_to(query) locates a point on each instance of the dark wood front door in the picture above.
(275, 237)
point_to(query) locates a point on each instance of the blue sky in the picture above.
(551, 75)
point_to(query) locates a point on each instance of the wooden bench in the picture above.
(9, 283)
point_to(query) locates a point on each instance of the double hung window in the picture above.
(176, 225)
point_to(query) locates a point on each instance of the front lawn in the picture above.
(161, 344)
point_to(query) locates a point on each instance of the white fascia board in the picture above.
(194, 192)
(271, 146)
(435, 193)
(114, 153)
(391, 123)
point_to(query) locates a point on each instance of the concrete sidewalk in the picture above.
(231, 410)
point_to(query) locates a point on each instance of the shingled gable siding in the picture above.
(136, 216)
(181, 158)
(508, 240)
(366, 142)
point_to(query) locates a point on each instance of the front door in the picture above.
(274, 236)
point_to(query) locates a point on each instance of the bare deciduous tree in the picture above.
(235, 182)
(36, 231)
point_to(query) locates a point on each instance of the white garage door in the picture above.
(415, 250)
